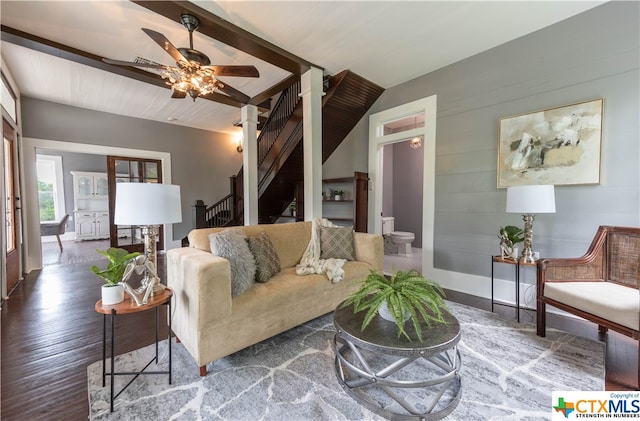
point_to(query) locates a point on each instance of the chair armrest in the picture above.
(201, 284)
(369, 248)
(572, 269)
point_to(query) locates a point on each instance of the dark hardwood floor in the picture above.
(51, 333)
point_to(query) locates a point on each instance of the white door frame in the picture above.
(456, 281)
(33, 248)
(377, 139)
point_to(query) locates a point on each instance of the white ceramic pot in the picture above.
(112, 294)
(337, 197)
(384, 312)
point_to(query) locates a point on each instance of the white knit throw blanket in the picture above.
(312, 263)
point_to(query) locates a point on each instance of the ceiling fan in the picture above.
(193, 75)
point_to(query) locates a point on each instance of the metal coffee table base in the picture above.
(360, 381)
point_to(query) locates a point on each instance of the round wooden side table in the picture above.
(129, 306)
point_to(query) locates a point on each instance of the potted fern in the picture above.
(407, 296)
(112, 291)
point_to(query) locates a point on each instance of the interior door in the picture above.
(11, 206)
(130, 170)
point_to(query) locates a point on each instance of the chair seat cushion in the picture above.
(614, 302)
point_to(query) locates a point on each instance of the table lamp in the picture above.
(530, 200)
(148, 205)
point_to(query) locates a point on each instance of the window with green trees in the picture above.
(50, 187)
(47, 203)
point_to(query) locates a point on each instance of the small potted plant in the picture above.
(337, 194)
(401, 297)
(112, 291)
(509, 237)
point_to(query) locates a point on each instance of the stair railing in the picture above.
(228, 210)
(278, 119)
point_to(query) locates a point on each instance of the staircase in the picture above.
(280, 154)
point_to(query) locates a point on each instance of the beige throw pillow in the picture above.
(265, 255)
(336, 243)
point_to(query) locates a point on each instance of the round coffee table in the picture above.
(393, 377)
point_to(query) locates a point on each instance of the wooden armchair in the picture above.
(602, 286)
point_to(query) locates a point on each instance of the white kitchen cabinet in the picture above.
(90, 185)
(91, 205)
(102, 224)
(91, 225)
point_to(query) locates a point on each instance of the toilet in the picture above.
(401, 239)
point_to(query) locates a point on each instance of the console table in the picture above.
(393, 377)
(128, 306)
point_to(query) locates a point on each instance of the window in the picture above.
(50, 187)
(8, 99)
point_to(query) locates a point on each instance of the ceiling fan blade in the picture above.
(133, 64)
(178, 94)
(243, 71)
(232, 92)
(166, 45)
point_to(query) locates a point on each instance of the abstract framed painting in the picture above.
(559, 146)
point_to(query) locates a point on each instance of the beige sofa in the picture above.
(211, 324)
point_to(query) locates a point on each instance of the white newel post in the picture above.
(312, 142)
(249, 116)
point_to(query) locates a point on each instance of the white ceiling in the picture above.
(387, 42)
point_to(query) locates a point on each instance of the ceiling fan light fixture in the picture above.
(192, 80)
(193, 74)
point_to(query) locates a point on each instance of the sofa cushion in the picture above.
(290, 240)
(614, 302)
(267, 261)
(336, 243)
(285, 288)
(231, 245)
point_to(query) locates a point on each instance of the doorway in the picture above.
(73, 184)
(381, 135)
(32, 246)
(402, 204)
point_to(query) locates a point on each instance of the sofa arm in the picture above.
(201, 284)
(369, 248)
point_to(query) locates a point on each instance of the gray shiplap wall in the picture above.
(591, 55)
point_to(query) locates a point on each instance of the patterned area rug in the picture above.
(508, 373)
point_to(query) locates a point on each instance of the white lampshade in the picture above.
(531, 199)
(147, 204)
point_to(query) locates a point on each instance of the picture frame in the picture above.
(559, 146)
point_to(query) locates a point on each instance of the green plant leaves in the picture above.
(118, 260)
(404, 291)
(514, 234)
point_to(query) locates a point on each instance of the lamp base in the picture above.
(527, 255)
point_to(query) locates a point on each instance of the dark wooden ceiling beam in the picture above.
(56, 49)
(229, 34)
